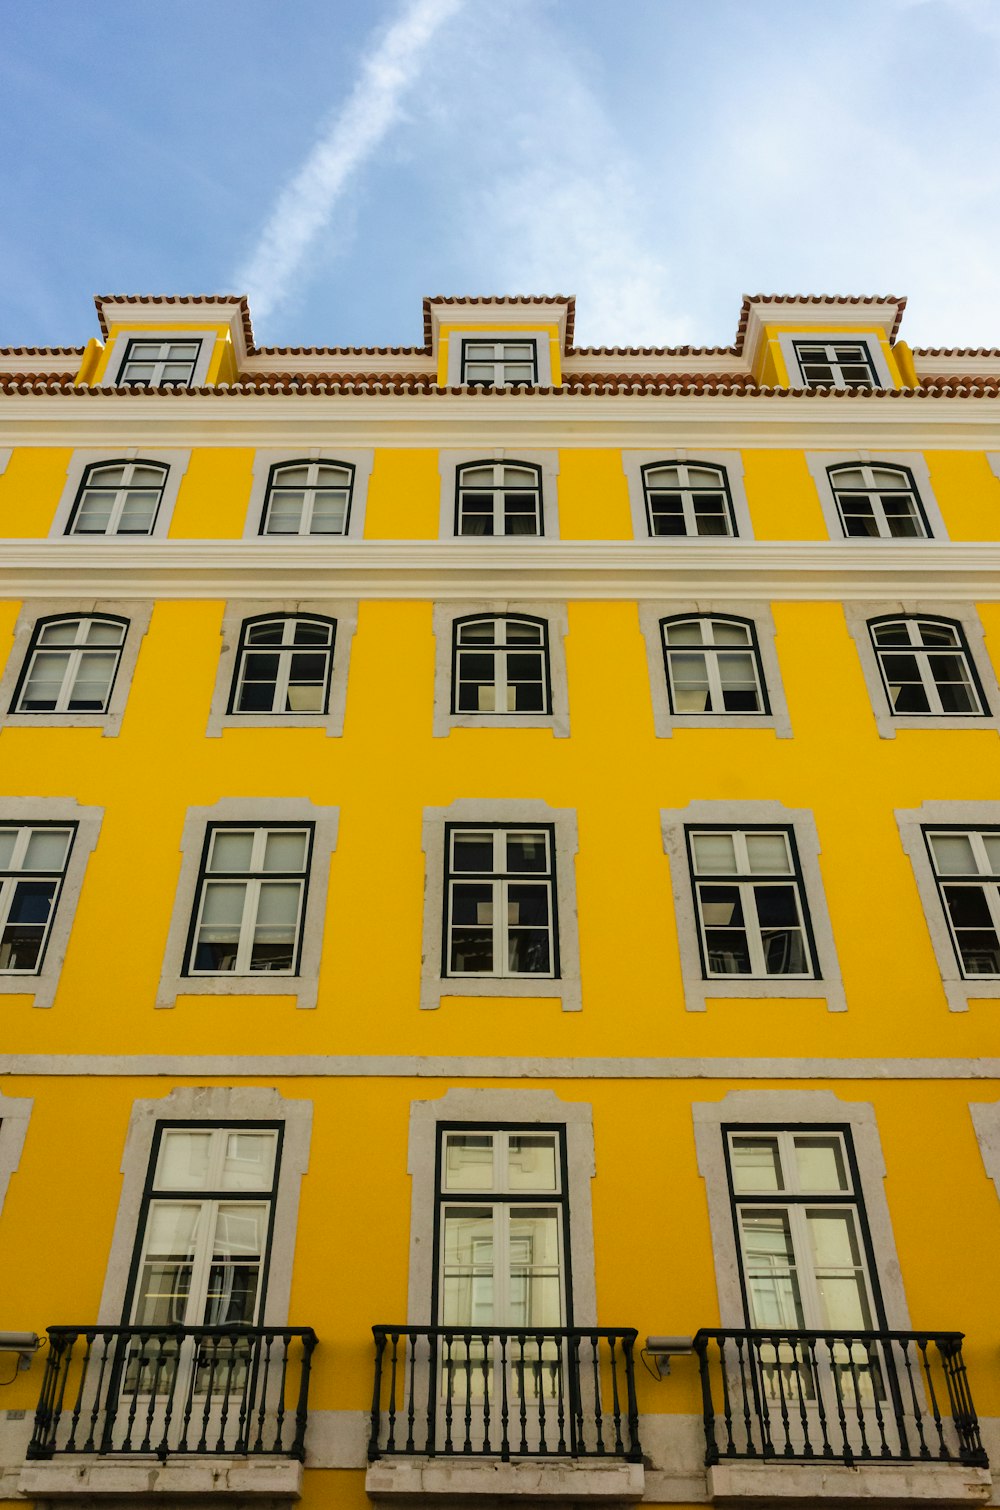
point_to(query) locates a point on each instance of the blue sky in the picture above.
(657, 158)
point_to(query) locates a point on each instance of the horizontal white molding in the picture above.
(479, 1067)
(440, 570)
(719, 421)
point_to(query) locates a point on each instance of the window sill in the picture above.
(907, 1483)
(148, 1480)
(423, 1480)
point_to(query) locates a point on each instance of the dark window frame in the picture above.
(508, 461)
(931, 830)
(691, 461)
(241, 650)
(305, 875)
(868, 360)
(481, 618)
(73, 826)
(515, 340)
(736, 877)
(754, 647)
(984, 710)
(885, 466)
(183, 338)
(96, 466)
(307, 461)
(469, 826)
(66, 618)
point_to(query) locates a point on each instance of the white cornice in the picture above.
(458, 569)
(540, 420)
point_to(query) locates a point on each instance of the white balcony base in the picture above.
(808, 1483)
(261, 1482)
(489, 1483)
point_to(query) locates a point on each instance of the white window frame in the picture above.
(761, 619)
(822, 463)
(860, 616)
(922, 654)
(553, 617)
(118, 356)
(499, 360)
(454, 377)
(788, 342)
(252, 879)
(284, 650)
(309, 489)
(876, 494)
(77, 653)
(265, 460)
(53, 812)
(303, 983)
(960, 990)
(499, 879)
(746, 882)
(122, 489)
(137, 616)
(729, 463)
(344, 615)
(175, 461)
(13, 874)
(826, 984)
(479, 815)
(688, 493)
(499, 492)
(982, 879)
(451, 463)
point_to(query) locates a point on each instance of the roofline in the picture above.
(158, 299)
(569, 300)
(749, 300)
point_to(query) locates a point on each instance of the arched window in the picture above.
(308, 498)
(71, 665)
(687, 498)
(713, 666)
(501, 665)
(499, 498)
(926, 667)
(283, 665)
(118, 498)
(878, 502)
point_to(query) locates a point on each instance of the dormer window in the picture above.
(499, 364)
(836, 364)
(159, 363)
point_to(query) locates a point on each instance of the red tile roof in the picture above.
(154, 299)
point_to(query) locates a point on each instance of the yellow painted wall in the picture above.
(214, 495)
(593, 496)
(31, 485)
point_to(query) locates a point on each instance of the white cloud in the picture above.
(306, 204)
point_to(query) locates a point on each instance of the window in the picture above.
(500, 902)
(308, 498)
(966, 865)
(498, 498)
(878, 502)
(251, 897)
(925, 667)
(687, 498)
(118, 498)
(748, 893)
(835, 364)
(499, 364)
(499, 911)
(33, 861)
(501, 666)
(713, 666)
(283, 665)
(158, 363)
(71, 666)
(751, 914)
(251, 901)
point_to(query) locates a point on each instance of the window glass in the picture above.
(687, 499)
(308, 498)
(499, 924)
(118, 498)
(501, 498)
(925, 667)
(28, 902)
(246, 923)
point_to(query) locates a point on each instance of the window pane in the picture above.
(714, 854)
(953, 854)
(768, 853)
(991, 843)
(285, 850)
(527, 852)
(531, 1162)
(183, 1161)
(249, 1161)
(8, 838)
(691, 632)
(820, 1164)
(472, 851)
(231, 850)
(755, 1164)
(468, 1161)
(46, 849)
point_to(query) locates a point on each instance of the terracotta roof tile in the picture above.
(42, 351)
(832, 299)
(154, 299)
(568, 299)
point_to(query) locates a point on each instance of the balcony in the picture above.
(151, 1412)
(462, 1412)
(782, 1406)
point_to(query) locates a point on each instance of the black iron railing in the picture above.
(172, 1390)
(849, 1397)
(565, 1392)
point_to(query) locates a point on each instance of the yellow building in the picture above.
(499, 913)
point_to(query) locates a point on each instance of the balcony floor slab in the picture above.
(877, 1483)
(489, 1483)
(263, 1483)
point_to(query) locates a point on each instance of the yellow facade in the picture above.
(915, 1048)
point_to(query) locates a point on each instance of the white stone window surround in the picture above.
(434, 985)
(986, 1120)
(958, 989)
(547, 463)
(665, 721)
(699, 991)
(511, 336)
(446, 616)
(860, 615)
(993, 461)
(489, 1109)
(25, 811)
(820, 462)
(15, 1114)
(220, 1105)
(265, 460)
(730, 463)
(254, 813)
(176, 462)
(345, 615)
(122, 340)
(788, 340)
(136, 614)
(759, 1109)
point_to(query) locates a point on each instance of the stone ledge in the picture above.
(491, 1483)
(884, 1483)
(147, 1479)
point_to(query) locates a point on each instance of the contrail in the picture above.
(307, 202)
